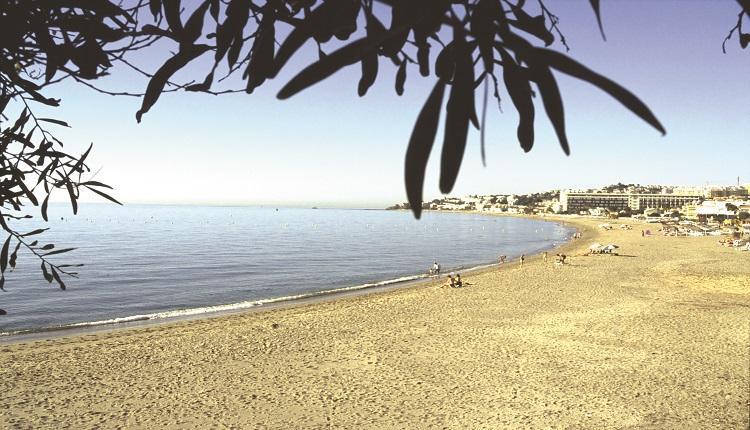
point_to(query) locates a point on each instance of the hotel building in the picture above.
(575, 202)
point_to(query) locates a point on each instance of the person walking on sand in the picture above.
(544, 256)
(521, 259)
(435, 268)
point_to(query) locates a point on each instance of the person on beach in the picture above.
(544, 256)
(502, 259)
(435, 268)
(459, 284)
(560, 259)
(451, 282)
(521, 259)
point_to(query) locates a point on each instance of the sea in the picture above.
(152, 262)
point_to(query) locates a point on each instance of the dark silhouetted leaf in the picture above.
(457, 118)
(54, 121)
(553, 104)
(595, 6)
(156, 31)
(203, 86)
(37, 231)
(483, 127)
(194, 24)
(78, 167)
(96, 184)
(445, 64)
(155, 6)
(14, 255)
(744, 40)
(329, 65)
(291, 44)
(532, 25)
(369, 73)
(4, 255)
(46, 274)
(482, 27)
(403, 16)
(401, 78)
(423, 58)
(106, 196)
(57, 278)
(573, 68)
(214, 9)
(261, 59)
(160, 78)
(4, 99)
(72, 195)
(519, 90)
(301, 34)
(59, 251)
(44, 207)
(345, 20)
(172, 14)
(318, 21)
(420, 145)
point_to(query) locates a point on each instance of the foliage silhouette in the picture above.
(472, 41)
(486, 36)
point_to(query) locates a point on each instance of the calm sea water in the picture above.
(150, 261)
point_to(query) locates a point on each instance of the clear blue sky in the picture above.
(326, 146)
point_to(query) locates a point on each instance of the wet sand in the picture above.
(658, 337)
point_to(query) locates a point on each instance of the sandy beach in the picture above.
(657, 337)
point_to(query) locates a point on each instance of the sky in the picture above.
(328, 147)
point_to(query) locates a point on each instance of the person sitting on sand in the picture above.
(459, 284)
(451, 282)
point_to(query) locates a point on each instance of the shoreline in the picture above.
(655, 337)
(266, 305)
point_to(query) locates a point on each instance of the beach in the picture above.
(656, 337)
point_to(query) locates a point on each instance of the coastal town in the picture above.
(680, 210)
(728, 205)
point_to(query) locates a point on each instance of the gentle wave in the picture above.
(212, 309)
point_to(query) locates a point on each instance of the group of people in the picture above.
(454, 282)
(435, 269)
(577, 235)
